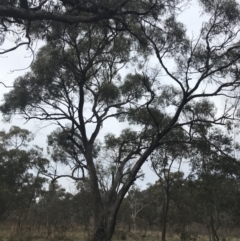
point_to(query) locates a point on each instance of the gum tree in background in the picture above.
(136, 203)
(213, 164)
(166, 163)
(19, 186)
(75, 83)
(209, 155)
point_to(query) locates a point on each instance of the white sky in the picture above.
(10, 64)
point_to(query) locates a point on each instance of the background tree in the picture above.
(83, 206)
(214, 181)
(163, 161)
(152, 211)
(19, 167)
(136, 202)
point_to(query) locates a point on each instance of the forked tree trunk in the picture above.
(104, 227)
(106, 208)
(99, 233)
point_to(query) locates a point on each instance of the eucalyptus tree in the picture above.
(75, 83)
(152, 211)
(136, 202)
(20, 166)
(216, 198)
(54, 208)
(217, 173)
(30, 20)
(166, 163)
(83, 206)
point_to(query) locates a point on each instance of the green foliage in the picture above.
(19, 187)
(16, 137)
(150, 117)
(228, 9)
(109, 93)
(126, 141)
(60, 146)
(133, 86)
(8, 2)
(176, 36)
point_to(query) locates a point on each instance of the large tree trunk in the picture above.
(106, 208)
(104, 227)
(100, 232)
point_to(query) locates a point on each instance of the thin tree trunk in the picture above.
(165, 216)
(213, 229)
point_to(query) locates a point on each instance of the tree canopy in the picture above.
(96, 70)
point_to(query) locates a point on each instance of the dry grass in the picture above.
(62, 234)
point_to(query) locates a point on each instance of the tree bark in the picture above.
(165, 216)
(104, 227)
(213, 229)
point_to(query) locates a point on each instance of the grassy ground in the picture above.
(5, 235)
(80, 235)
